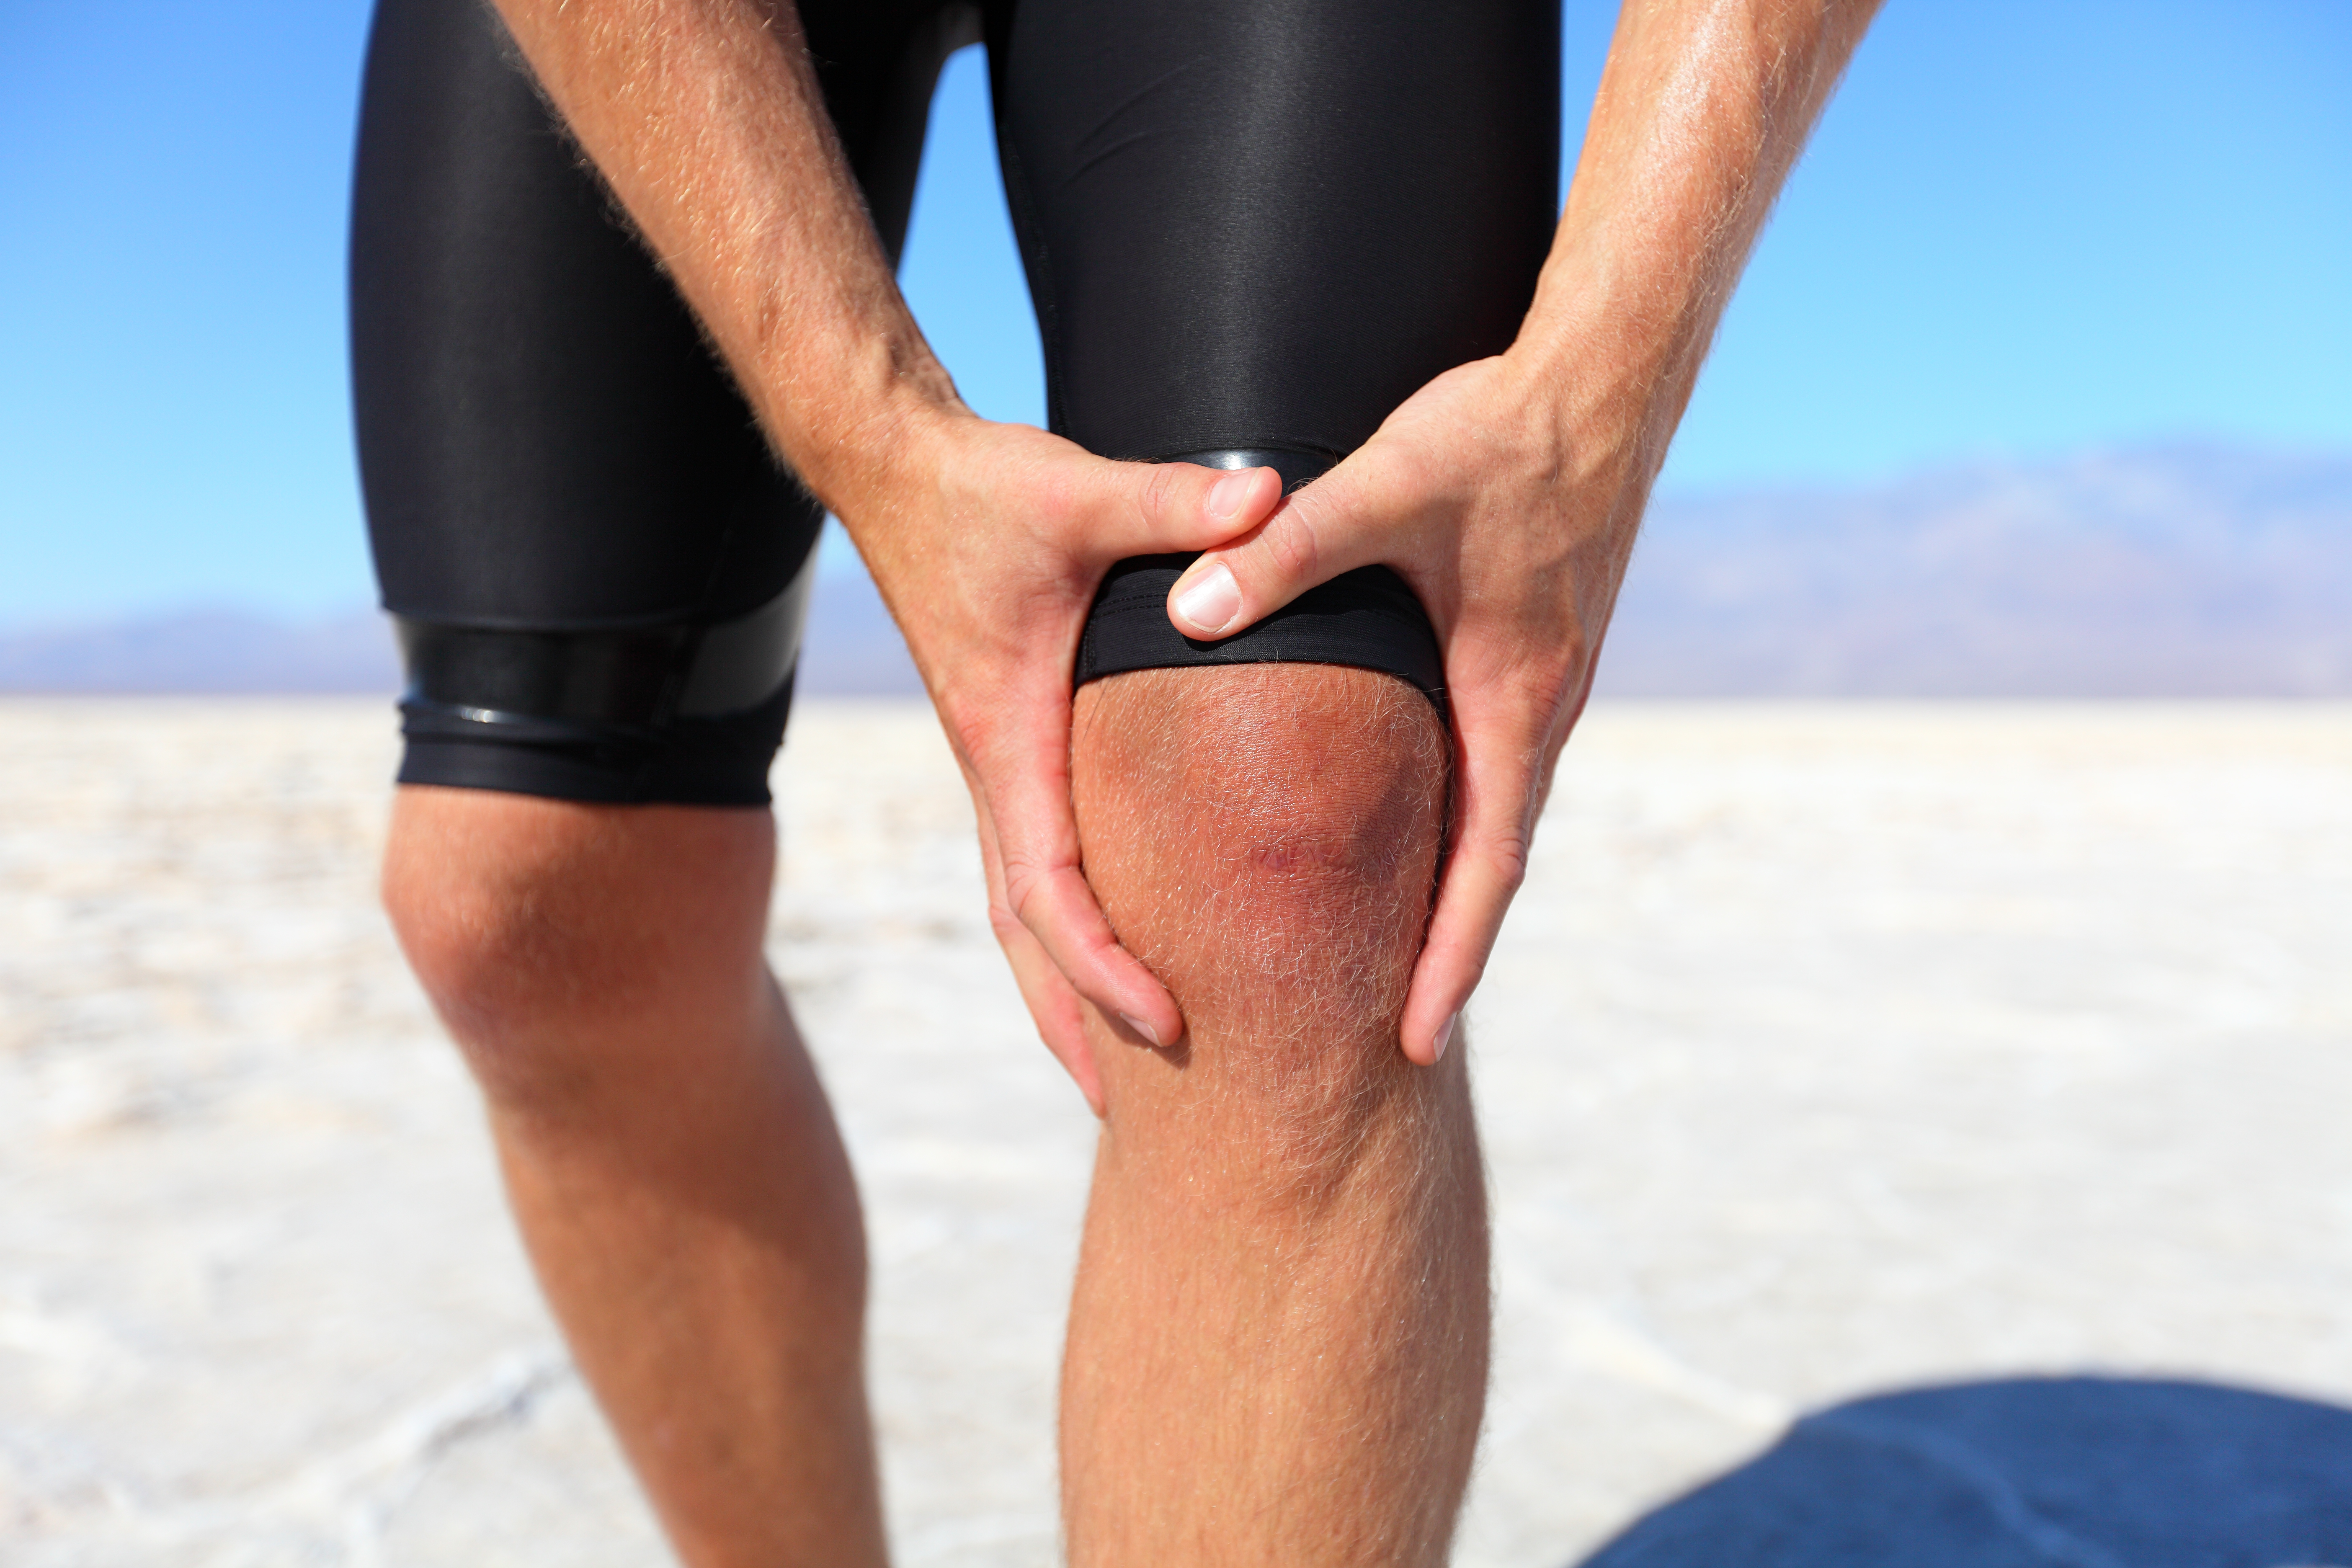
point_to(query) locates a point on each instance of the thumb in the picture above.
(1158, 509)
(1328, 527)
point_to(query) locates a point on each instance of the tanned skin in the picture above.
(1277, 1347)
(1278, 1336)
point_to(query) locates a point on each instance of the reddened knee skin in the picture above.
(1269, 833)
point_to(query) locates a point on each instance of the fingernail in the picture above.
(1226, 496)
(1211, 600)
(1140, 1027)
(1445, 1036)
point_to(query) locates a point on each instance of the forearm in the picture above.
(706, 119)
(1703, 109)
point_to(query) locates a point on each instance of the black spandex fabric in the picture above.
(1251, 227)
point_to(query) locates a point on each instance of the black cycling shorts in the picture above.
(1252, 228)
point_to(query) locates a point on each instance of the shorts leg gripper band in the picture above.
(680, 714)
(1370, 617)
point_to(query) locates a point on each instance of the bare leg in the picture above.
(1277, 1351)
(668, 1151)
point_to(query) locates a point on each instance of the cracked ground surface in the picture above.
(1831, 1050)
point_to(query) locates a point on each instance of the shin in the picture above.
(667, 1147)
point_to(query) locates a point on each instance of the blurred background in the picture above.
(2038, 385)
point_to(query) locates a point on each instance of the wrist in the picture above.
(858, 423)
(1612, 367)
(1598, 406)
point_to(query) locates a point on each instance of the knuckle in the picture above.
(972, 736)
(1514, 869)
(1028, 894)
(1291, 544)
(1508, 853)
(1159, 491)
(1019, 886)
(1005, 924)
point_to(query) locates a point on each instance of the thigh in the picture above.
(1253, 227)
(596, 566)
(1260, 225)
(544, 439)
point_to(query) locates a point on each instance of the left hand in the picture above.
(988, 542)
(1515, 534)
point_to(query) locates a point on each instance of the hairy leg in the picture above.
(669, 1154)
(1277, 1349)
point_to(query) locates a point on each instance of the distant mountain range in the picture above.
(2186, 571)
(2181, 570)
(851, 649)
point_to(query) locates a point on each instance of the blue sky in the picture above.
(2023, 228)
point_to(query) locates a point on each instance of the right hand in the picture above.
(988, 542)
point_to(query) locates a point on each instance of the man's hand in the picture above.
(1507, 491)
(1515, 543)
(989, 547)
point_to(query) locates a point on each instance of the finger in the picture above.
(1028, 798)
(1157, 509)
(1059, 909)
(1331, 526)
(1499, 763)
(1053, 1006)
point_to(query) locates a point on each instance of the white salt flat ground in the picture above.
(1831, 1049)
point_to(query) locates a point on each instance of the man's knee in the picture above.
(527, 917)
(1266, 838)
